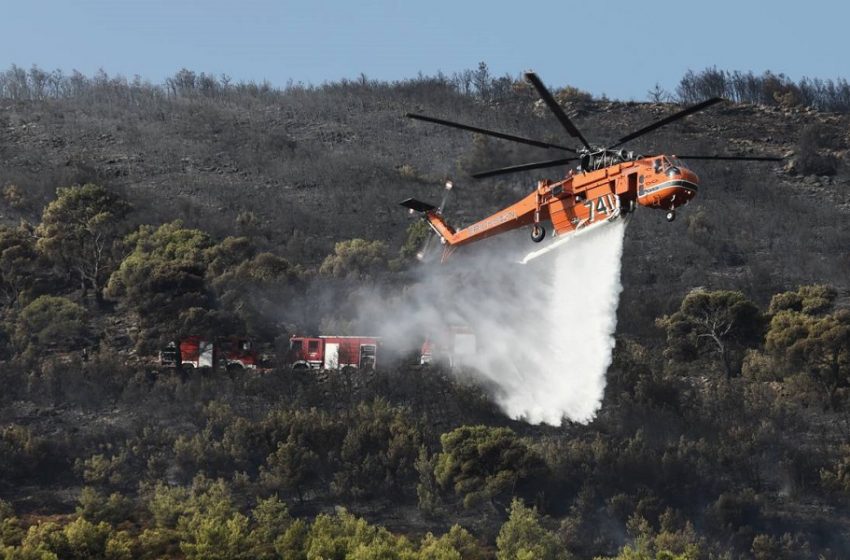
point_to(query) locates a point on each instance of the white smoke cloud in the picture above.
(544, 330)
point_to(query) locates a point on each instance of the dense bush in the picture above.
(356, 259)
(50, 323)
(484, 464)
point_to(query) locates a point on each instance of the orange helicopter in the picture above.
(609, 183)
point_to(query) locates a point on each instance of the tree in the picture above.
(292, 543)
(166, 504)
(457, 544)
(658, 94)
(50, 323)
(427, 491)
(211, 537)
(344, 536)
(78, 229)
(356, 258)
(721, 322)
(96, 507)
(254, 288)
(21, 265)
(818, 345)
(85, 539)
(210, 323)
(121, 546)
(231, 252)
(667, 544)
(271, 519)
(290, 468)
(572, 94)
(523, 538)
(44, 541)
(483, 463)
(210, 527)
(378, 451)
(11, 532)
(810, 300)
(163, 275)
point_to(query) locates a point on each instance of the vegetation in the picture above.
(50, 323)
(78, 229)
(356, 258)
(480, 463)
(767, 89)
(721, 321)
(207, 210)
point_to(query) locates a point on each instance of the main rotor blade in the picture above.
(501, 135)
(734, 158)
(555, 108)
(667, 120)
(522, 167)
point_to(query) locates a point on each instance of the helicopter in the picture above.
(609, 183)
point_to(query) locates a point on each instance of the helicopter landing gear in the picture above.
(538, 232)
(671, 215)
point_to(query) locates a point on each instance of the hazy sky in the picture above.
(617, 48)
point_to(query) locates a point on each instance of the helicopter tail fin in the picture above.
(418, 205)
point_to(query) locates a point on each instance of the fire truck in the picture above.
(333, 352)
(455, 347)
(197, 352)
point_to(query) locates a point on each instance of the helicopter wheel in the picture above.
(538, 232)
(671, 216)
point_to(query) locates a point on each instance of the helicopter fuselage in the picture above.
(584, 198)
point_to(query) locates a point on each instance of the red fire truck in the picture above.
(333, 352)
(197, 352)
(454, 347)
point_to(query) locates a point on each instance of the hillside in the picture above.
(315, 166)
(102, 450)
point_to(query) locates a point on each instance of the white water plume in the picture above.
(544, 330)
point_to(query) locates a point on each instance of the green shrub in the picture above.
(50, 323)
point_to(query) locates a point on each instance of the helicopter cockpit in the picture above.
(669, 165)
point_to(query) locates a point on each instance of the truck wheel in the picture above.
(233, 368)
(300, 367)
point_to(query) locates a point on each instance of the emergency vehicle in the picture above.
(333, 352)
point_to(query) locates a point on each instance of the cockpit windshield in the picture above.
(673, 161)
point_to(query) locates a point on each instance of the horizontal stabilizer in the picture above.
(417, 205)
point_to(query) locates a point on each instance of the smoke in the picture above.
(544, 330)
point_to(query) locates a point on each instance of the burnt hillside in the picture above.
(723, 428)
(305, 167)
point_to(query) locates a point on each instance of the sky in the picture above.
(620, 49)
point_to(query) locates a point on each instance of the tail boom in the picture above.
(435, 220)
(517, 215)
